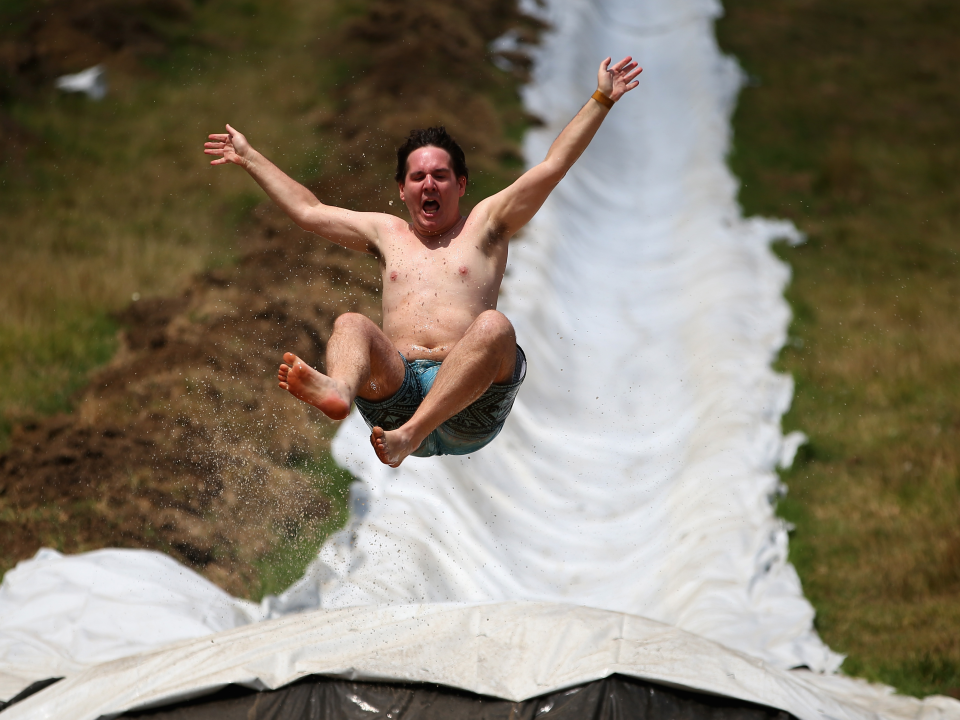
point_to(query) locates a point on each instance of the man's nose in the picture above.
(429, 182)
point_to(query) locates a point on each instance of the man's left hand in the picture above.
(619, 79)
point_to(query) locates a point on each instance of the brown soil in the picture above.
(184, 443)
(422, 63)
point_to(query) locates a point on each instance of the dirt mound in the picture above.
(421, 64)
(184, 443)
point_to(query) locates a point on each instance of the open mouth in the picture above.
(431, 206)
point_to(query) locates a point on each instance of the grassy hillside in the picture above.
(850, 130)
(104, 200)
(109, 213)
(123, 245)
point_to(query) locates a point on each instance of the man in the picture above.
(442, 374)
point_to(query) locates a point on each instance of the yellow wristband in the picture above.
(602, 99)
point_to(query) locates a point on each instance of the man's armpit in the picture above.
(497, 232)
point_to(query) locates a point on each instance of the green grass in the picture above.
(115, 197)
(301, 541)
(851, 132)
(48, 364)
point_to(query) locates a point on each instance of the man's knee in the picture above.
(352, 322)
(494, 327)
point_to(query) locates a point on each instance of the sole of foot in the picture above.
(313, 387)
(386, 454)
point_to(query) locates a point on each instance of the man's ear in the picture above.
(462, 183)
(402, 198)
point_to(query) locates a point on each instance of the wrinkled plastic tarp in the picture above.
(637, 469)
(59, 614)
(514, 651)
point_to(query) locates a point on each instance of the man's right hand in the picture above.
(232, 147)
(353, 230)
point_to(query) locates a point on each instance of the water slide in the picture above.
(631, 494)
(637, 470)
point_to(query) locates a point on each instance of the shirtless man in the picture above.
(441, 278)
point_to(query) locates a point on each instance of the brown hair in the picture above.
(435, 137)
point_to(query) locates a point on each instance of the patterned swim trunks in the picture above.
(467, 431)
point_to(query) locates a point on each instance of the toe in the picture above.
(289, 358)
(376, 439)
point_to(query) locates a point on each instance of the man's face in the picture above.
(432, 191)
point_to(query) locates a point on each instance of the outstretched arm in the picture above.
(357, 231)
(513, 207)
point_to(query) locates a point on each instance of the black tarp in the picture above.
(319, 698)
(32, 688)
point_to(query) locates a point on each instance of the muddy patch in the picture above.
(184, 443)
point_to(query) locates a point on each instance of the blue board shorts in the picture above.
(469, 430)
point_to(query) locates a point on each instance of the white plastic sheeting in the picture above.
(60, 614)
(92, 82)
(514, 650)
(637, 469)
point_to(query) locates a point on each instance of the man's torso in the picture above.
(434, 288)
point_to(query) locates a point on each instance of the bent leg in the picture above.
(361, 360)
(486, 354)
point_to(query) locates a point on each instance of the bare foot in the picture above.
(329, 396)
(391, 445)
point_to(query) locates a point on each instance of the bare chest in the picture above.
(459, 265)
